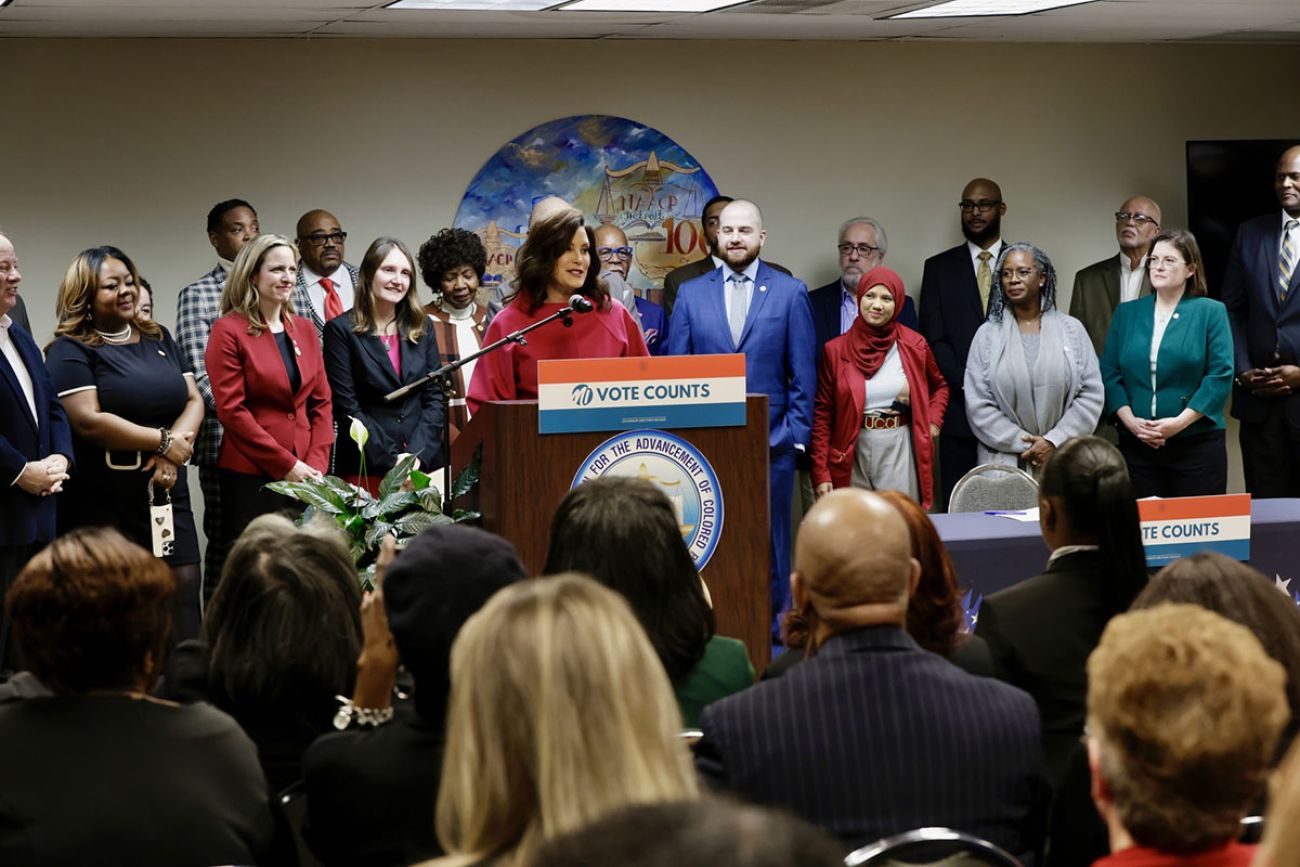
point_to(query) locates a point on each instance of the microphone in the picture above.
(581, 303)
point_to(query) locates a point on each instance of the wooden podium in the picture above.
(525, 475)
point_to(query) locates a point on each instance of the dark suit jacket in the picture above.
(826, 313)
(19, 315)
(950, 315)
(1096, 295)
(875, 736)
(360, 374)
(28, 518)
(676, 277)
(1265, 330)
(268, 426)
(654, 325)
(1040, 633)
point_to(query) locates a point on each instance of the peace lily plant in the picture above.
(408, 503)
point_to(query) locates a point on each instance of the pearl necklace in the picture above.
(116, 338)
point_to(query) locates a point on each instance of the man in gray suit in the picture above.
(1104, 285)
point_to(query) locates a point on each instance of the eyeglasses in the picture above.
(863, 250)
(1022, 273)
(983, 205)
(1167, 261)
(607, 253)
(318, 239)
(1140, 219)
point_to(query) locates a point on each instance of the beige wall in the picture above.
(130, 142)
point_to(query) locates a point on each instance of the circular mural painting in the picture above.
(614, 170)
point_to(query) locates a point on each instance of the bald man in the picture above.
(615, 255)
(955, 289)
(326, 284)
(1104, 285)
(874, 736)
(1259, 289)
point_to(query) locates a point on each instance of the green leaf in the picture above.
(419, 480)
(396, 476)
(354, 526)
(431, 500)
(417, 522)
(377, 532)
(468, 477)
(394, 503)
(348, 495)
(464, 516)
(288, 489)
(358, 550)
(366, 578)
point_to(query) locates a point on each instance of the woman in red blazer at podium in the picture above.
(880, 400)
(555, 262)
(268, 383)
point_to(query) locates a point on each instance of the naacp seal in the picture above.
(678, 469)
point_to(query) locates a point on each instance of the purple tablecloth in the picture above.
(991, 553)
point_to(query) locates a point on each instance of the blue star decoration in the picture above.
(970, 604)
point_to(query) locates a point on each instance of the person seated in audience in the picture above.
(281, 640)
(935, 617)
(1281, 843)
(1032, 380)
(100, 772)
(560, 713)
(1184, 713)
(1243, 595)
(708, 833)
(1041, 630)
(880, 400)
(624, 533)
(371, 789)
(874, 736)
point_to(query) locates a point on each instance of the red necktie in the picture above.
(333, 304)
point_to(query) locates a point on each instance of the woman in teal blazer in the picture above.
(1167, 367)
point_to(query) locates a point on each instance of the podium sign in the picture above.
(670, 392)
(1181, 526)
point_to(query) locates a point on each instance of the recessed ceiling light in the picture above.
(475, 5)
(980, 8)
(667, 6)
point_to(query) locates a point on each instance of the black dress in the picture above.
(143, 383)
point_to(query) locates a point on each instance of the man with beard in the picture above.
(955, 288)
(1104, 285)
(615, 256)
(326, 284)
(748, 306)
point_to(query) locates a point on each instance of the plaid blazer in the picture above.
(198, 308)
(302, 300)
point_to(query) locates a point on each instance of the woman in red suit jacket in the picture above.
(880, 400)
(268, 383)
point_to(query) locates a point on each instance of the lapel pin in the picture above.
(163, 354)
(762, 288)
(1175, 315)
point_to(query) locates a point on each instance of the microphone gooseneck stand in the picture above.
(443, 375)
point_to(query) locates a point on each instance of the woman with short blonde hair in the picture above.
(548, 731)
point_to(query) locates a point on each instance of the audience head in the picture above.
(624, 533)
(453, 263)
(740, 234)
(321, 242)
(1184, 712)
(934, 613)
(100, 293)
(1175, 263)
(231, 225)
(862, 245)
(387, 276)
(853, 564)
(284, 621)
(9, 276)
(707, 833)
(439, 579)
(1137, 222)
(613, 250)
(1026, 280)
(144, 309)
(1286, 181)
(1085, 497)
(92, 611)
(982, 210)
(557, 256)
(709, 216)
(265, 268)
(1243, 595)
(560, 713)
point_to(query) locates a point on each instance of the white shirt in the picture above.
(751, 272)
(342, 278)
(21, 373)
(1069, 549)
(1130, 278)
(462, 322)
(975, 250)
(717, 263)
(883, 388)
(1157, 335)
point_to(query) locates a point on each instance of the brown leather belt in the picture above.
(883, 422)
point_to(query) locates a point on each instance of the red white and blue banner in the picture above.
(1181, 526)
(680, 391)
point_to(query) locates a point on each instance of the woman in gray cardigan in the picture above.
(1032, 380)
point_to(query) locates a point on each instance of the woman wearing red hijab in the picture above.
(880, 400)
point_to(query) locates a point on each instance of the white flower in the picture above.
(404, 455)
(358, 432)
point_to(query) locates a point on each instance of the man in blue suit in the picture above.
(1259, 290)
(35, 443)
(748, 306)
